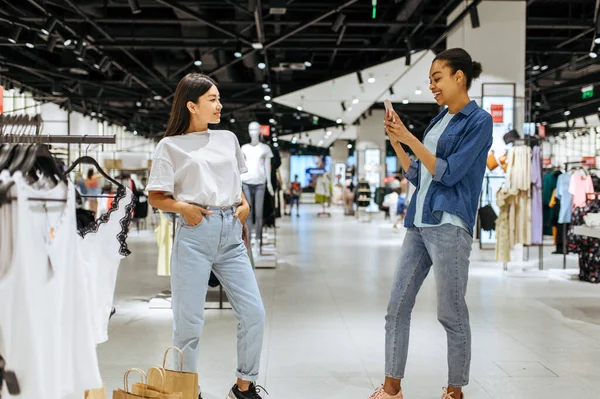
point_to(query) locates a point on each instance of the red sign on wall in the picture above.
(588, 161)
(265, 130)
(497, 112)
(542, 131)
(547, 161)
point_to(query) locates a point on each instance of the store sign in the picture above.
(587, 92)
(265, 130)
(542, 131)
(547, 161)
(497, 111)
(588, 161)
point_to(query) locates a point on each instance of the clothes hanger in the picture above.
(91, 161)
(39, 157)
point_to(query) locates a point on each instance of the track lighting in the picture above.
(474, 18)
(371, 78)
(126, 81)
(52, 41)
(261, 65)
(567, 112)
(360, 78)
(79, 47)
(238, 50)
(232, 120)
(339, 21)
(269, 105)
(81, 57)
(30, 45)
(135, 6)
(299, 108)
(355, 101)
(343, 107)
(307, 64)
(392, 94)
(14, 34)
(50, 26)
(157, 97)
(267, 98)
(407, 59)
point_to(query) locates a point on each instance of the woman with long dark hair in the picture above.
(448, 175)
(196, 174)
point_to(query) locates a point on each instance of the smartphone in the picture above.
(389, 108)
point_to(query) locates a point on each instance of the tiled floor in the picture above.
(535, 334)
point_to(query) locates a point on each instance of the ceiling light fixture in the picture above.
(349, 109)
(238, 50)
(81, 56)
(407, 60)
(261, 65)
(474, 18)
(360, 78)
(343, 107)
(269, 105)
(593, 54)
(299, 108)
(50, 26)
(339, 21)
(544, 67)
(265, 85)
(349, 146)
(135, 6)
(157, 97)
(339, 121)
(405, 101)
(308, 64)
(392, 94)
(257, 46)
(267, 98)
(567, 113)
(271, 120)
(138, 104)
(371, 79)
(14, 34)
(418, 92)
(68, 42)
(355, 101)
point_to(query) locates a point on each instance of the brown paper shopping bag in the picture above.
(125, 394)
(156, 392)
(99, 393)
(176, 381)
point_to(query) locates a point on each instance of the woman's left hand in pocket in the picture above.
(242, 213)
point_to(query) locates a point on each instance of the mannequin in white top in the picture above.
(258, 178)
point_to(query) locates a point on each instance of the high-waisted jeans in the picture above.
(215, 244)
(447, 248)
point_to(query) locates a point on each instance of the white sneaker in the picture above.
(381, 394)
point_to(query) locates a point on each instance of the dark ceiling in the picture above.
(132, 62)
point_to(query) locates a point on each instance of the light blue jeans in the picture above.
(215, 244)
(447, 248)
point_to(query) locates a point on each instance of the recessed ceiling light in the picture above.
(405, 101)
(261, 65)
(418, 92)
(349, 146)
(339, 121)
(269, 105)
(308, 64)
(138, 104)
(267, 98)
(299, 108)
(355, 101)
(275, 145)
(371, 79)
(232, 120)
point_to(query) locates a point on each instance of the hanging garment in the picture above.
(164, 239)
(588, 248)
(581, 186)
(565, 197)
(104, 244)
(549, 185)
(323, 189)
(46, 291)
(537, 210)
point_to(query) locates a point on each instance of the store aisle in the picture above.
(534, 336)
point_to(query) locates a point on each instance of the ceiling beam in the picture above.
(306, 47)
(181, 8)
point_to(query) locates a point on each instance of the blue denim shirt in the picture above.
(461, 160)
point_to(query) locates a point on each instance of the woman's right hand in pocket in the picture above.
(193, 214)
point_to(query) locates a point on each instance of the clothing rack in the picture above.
(56, 139)
(565, 235)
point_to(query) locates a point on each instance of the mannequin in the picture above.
(258, 179)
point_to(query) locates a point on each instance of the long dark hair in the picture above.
(458, 59)
(190, 88)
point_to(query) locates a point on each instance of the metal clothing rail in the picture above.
(57, 139)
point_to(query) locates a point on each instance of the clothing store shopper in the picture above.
(92, 187)
(196, 174)
(448, 174)
(295, 193)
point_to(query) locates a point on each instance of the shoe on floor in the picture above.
(381, 394)
(252, 393)
(446, 395)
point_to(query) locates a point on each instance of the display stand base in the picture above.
(216, 299)
(265, 260)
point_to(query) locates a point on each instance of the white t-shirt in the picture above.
(255, 156)
(103, 245)
(202, 168)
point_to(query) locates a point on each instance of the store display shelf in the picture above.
(587, 231)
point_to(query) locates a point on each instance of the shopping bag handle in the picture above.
(162, 375)
(180, 358)
(126, 378)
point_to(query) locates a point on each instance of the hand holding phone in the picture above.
(389, 109)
